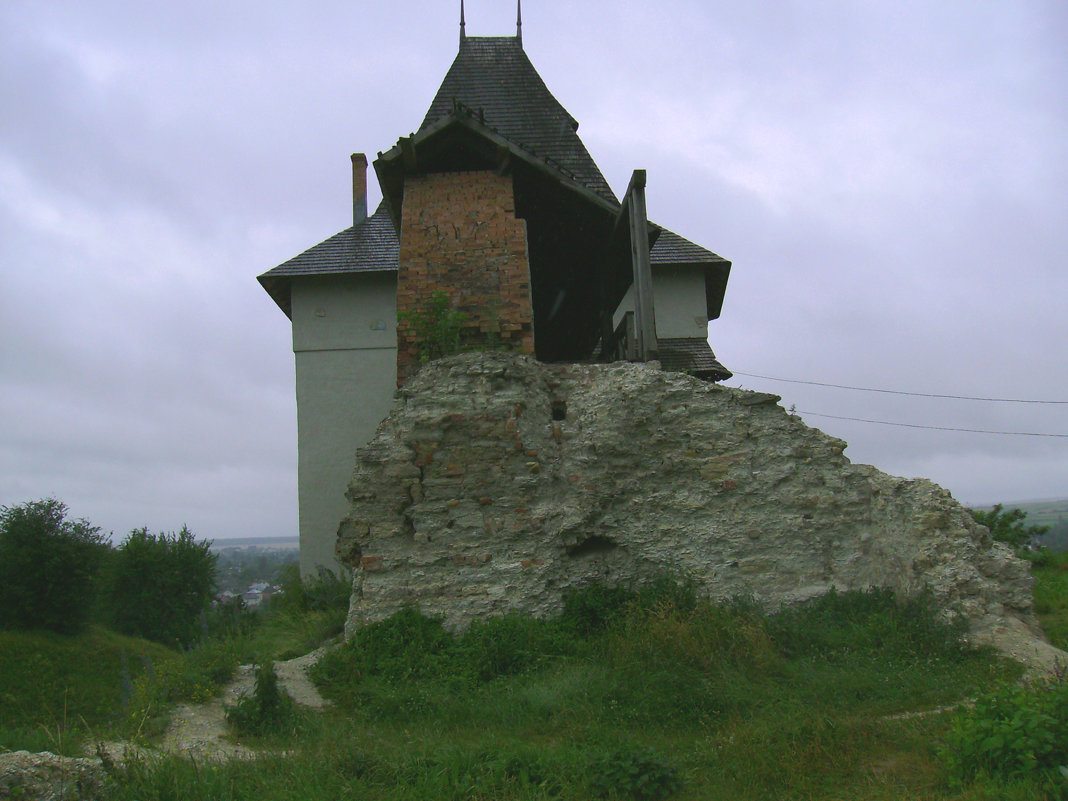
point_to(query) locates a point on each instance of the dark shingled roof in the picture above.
(371, 246)
(492, 75)
(670, 248)
(691, 355)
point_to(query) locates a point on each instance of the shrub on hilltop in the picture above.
(48, 567)
(159, 586)
(1008, 525)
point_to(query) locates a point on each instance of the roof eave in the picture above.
(279, 288)
(716, 277)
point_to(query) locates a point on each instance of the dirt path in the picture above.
(200, 730)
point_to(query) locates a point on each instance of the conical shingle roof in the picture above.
(492, 75)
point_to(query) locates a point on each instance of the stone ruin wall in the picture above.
(499, 483)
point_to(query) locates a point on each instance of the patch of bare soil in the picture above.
(200, 730)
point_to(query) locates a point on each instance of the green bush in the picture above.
(159, 586)
(871, 620)
(405, 646)
(632, 772)
(437, 328)
(326, 591)
(228, 620)
(412, 647)
(509, 645)
(1008, 525)
(48, 567)
(591, 610)
(705, 638)
(267, 711)
(1014, 732)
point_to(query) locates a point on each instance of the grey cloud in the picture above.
(889, 180)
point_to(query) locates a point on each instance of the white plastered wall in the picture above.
(345, 349)
(678, 301)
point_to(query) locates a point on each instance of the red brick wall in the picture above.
(459, 235)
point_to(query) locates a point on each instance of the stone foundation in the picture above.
(499, 483)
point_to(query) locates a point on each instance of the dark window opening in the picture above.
(592, 546)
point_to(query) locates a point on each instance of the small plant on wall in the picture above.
(436, 327)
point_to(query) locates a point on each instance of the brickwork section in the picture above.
(460, 236)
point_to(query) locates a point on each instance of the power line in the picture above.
(932, 428)
(900, 392)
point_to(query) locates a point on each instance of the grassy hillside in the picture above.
(1039, 513)
(55, 689)
(1051, 596)
(650, 697)
(58, 693)
(654, 695)
(1055, 515)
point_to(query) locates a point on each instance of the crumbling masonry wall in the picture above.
(498, 483)
(460, 236)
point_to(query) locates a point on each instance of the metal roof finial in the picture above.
(519, 21)
(463, 24)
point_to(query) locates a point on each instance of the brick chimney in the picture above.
(359, 188)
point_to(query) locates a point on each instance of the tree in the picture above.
(160, 586)
(48, 567)
(1008, 526)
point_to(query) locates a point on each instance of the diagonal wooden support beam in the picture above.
(644, 318)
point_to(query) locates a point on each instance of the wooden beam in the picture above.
(644, 319)
(504, 160)
(407, 146)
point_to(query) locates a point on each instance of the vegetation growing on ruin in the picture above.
(436, 327)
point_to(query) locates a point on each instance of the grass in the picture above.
(643, 695)
(56, 689)
(308, 613)
(60, 693)
(651, 696)
(1051, 595)
(1045, 513)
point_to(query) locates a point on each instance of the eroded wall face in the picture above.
(500, 483)
(460, 237)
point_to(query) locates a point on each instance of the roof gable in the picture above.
(492, 75)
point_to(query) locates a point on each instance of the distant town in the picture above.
(267, 543)
(254, 568)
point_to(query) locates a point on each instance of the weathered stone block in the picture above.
(733, 493)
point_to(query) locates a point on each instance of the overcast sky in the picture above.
(889, 178)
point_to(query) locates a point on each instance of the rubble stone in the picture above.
(48, 777)
(498, 483)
